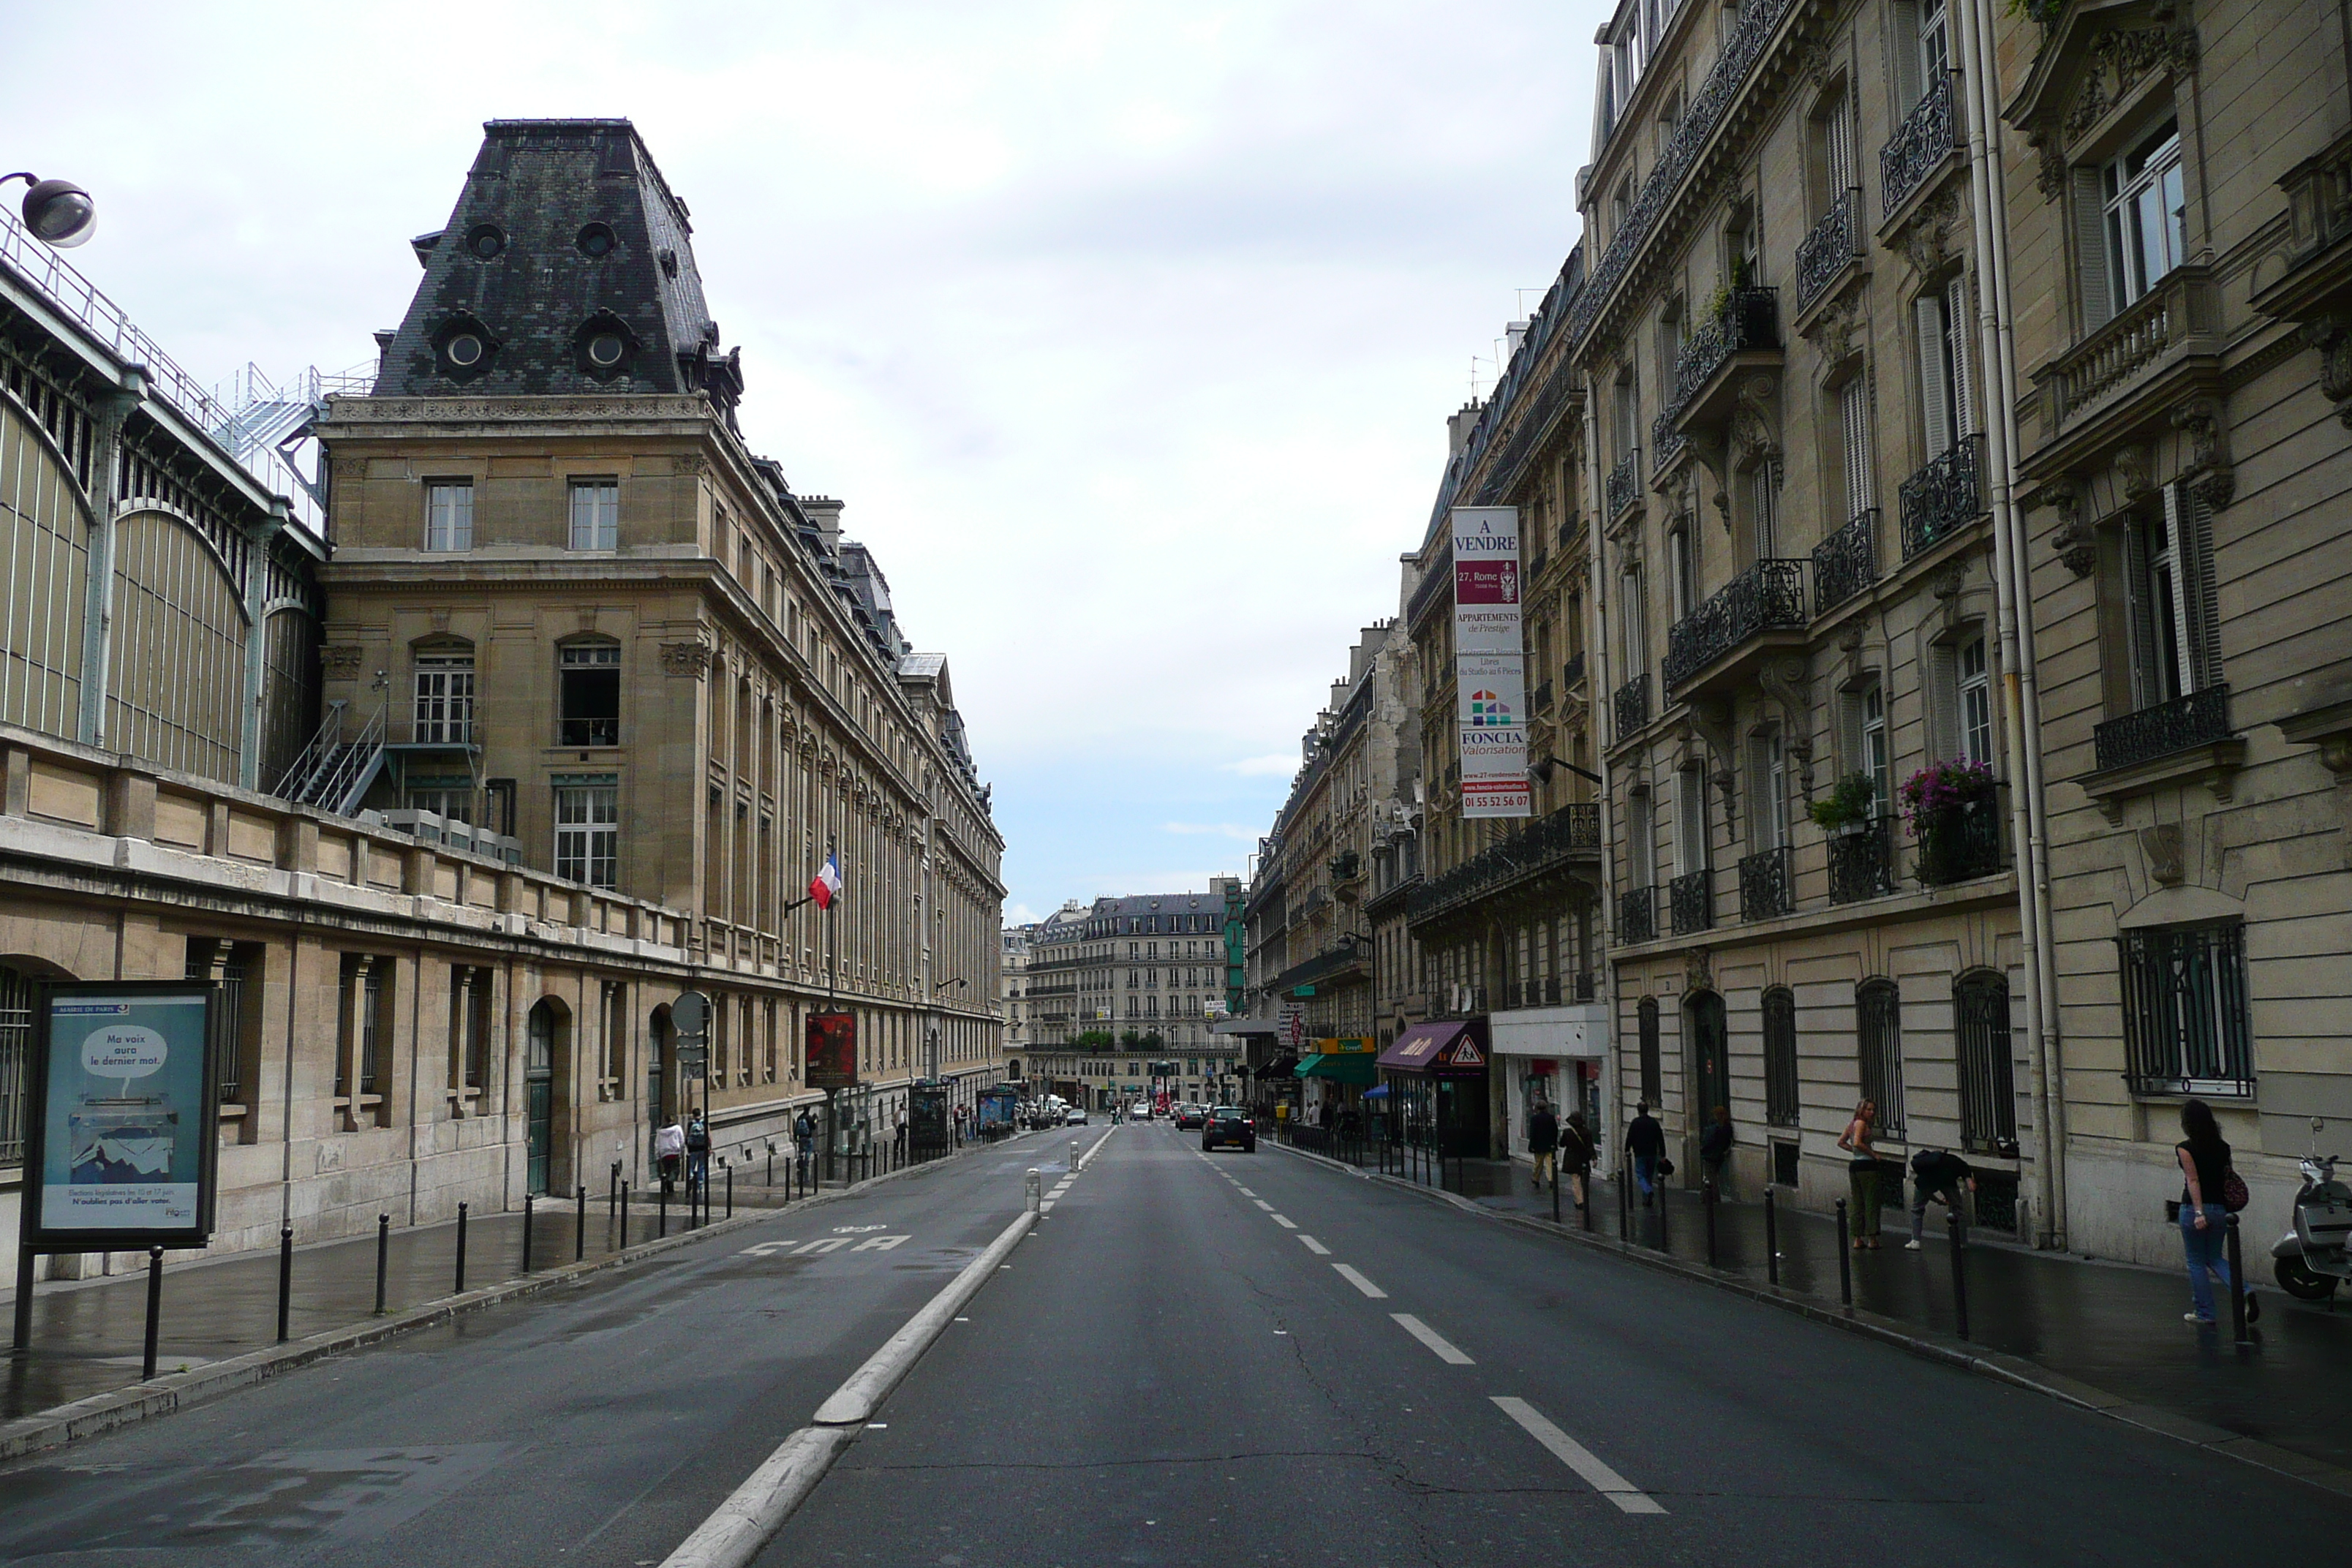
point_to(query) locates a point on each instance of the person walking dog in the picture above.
(1543, 1143)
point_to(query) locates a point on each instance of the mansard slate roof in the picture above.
(517, 267)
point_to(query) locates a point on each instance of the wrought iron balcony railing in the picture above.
(1832, 247)
(1633, 702)
(1861, 862)
(1692, 896)
(1767, 596)
(1571, 832)
(1637, 915)
(1624, 484)
(1927, 136)
(2196, 719)
(1966, 844)
(1542, 703)
(1749, 320)
(1572, 672)
(1766, 888)
(1846, 562)
(1666, 443)
(1944, 497)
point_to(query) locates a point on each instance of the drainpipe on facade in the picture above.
(1596, 644)
(2013, 586)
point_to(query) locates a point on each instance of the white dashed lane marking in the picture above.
(1315, 1247)
(1281, 1221)
(1577, 1458)
(1360, 1283)
(1264, 1204)
(1439, 1346)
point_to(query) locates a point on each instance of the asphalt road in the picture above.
(1229, 1359)
(1262, 1359)
(595, 1426)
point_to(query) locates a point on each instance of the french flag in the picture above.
(825, 885)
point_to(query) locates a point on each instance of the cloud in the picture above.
(1274, 764)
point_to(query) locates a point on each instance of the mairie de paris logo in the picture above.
(1488, 708)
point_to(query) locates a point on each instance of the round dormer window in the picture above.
(484, 241)
(597, 240)
(465, 351)
(605, 349)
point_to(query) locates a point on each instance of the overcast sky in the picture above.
(1126, 332)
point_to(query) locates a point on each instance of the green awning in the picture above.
(1340, 1067)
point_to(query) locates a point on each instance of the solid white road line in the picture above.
(1577, 1458)
(1315, 1247)
(1360, 1283)
(741, 1526)
(1284, 1224)
(1438, 1344)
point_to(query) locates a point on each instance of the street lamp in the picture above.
(58, 212)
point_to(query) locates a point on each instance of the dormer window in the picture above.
(605, 347)
(597, 241)
(463, 348)
(485, 241)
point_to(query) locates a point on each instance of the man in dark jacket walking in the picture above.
(1646, 1142)
(1543, 1143)
(1576, 1155)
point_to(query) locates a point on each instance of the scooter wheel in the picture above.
(2298, 1281)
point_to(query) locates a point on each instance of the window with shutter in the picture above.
(2092, 263)
(1837, 146)
(1935, 404)
(2189, 522)
(1958, 322)
(1943, 703)
(1690, 825)
(1854, 416)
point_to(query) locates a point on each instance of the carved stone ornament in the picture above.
(692, 465)
(341, 659)
(1927, 238)
(2162, 846)
(1698, 969)
(2120, 59)
(2206, 468)
(1831, 332)
(2132, 477)
(1786, 682)
(1755, 425)
(687, 658)
(2077, 548)
(2050, 169)
(2332, 336)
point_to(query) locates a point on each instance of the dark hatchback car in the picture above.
(1190, 1116)
(1227, 1125)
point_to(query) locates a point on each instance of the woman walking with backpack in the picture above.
(2206, 1178)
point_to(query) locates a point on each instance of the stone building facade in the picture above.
(557, 719)
(1121, 983)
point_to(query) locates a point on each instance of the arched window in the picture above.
(1780, 1056)
(1988, 1075)
(1879, 1040)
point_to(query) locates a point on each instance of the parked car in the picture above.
(1227, 1125)
(1190, 1116)
(1074, 1117)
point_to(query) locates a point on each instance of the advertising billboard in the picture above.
(831, 1050)
(1489, 668)
(122, 1134)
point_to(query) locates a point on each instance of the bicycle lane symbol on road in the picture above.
(824, 1245)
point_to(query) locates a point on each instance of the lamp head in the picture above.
(58, 212)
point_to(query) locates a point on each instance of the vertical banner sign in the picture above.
(831, 1050)
(1489, 668)
(122, 1141)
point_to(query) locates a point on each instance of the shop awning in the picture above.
(1281, 1067)
(1419, 1047)
(1340, 1067)
(1379, 1091)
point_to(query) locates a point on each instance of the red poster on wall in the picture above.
(831, 1050)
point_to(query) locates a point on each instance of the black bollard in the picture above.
(527, 1200)
(382, 1257)
(461, 1249)
(2237, 1286)
(1555, 1189)
(772, 1167)
(1960, 1271)
(1665, 1242)
(1845, 1257)
(625, 1216)
(1707, 1199)
(155, 1310)
(661, 1227)
(580, 1227)
(612, 1193)
(284, 1281)
(730, 1192)
(1771, 1237)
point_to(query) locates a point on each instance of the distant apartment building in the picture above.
(1121, 983)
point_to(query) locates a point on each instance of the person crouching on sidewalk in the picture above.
(1940, 1175)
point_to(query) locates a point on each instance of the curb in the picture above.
(116, 1408)
(2015, 1371)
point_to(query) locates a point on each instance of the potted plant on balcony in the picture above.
(1944, 805)
(1846, 809)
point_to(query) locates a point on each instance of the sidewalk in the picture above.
(88, 1334)
(2115, 1326)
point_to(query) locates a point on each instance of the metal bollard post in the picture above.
(625, 1216)
(730, 1192)
(1665, 1242)
(1074, 1156)
(155, 1310)
(527, 1200)
(2237, 1286)
(1032, 1190)
(580, 1227)
(285, 1280)
(612, 1193)
(661, 1227)
(1707, 1199)
(1771, 1237)
(772, 1167)
(1959, 1272)
(382, 1257)
(1555, 1189)
(1845, 1257)
(461, 1249)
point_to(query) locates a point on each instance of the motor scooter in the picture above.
(2311, 1260)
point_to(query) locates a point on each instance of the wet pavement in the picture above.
(2112, 1325)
